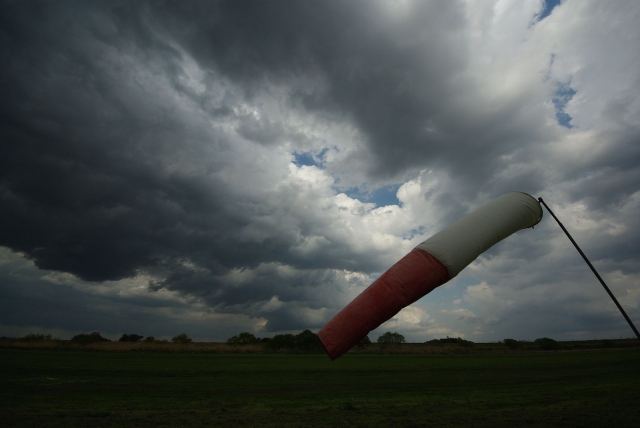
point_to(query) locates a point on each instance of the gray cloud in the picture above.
(153, 141)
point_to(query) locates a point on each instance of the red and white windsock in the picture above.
(429, 265)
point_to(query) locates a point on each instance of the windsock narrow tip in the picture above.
(412, 277)
(330, 350)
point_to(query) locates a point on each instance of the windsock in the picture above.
(429, 265)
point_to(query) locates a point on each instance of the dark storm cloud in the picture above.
(27, 304)
(84, 174)
(401, 82)
(86, 182)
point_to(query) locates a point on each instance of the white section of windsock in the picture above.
(462, 242)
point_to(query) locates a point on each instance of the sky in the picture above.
(219, 167)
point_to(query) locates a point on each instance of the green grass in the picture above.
(102, 389)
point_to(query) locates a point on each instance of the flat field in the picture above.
(49, 388)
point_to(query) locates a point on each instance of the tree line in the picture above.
(306, 340)
(96, 337)
(303, 341)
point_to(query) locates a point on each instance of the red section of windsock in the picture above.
(415, 275)
(430, 264)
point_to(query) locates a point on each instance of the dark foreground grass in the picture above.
(99, 389)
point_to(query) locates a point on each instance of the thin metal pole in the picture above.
(633, 327)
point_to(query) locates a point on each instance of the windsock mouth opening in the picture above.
(538, 201)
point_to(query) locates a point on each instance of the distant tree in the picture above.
(364, 343)
(282, 341)
(448, 339)
(391, 338)
(35, 337)
(244, 338)
(130, 338)
(511, 343)
(303, 341)
(307, 341)
(85, 339)
(149, 339)
(181, 338)
(547, 344)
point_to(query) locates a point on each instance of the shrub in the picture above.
(465, 343)
(511, 343)
(244, 338)
(547, 344)
(608, 343)
(149, 339)
(391, 338)
(85, 339)
(130, 338)
(181, 338)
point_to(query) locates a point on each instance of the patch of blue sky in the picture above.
(414, 232)
(382, 196)
(561, 97)
(549, 5)
(305, 158)
(310, 158)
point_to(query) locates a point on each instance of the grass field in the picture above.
(40, 387)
